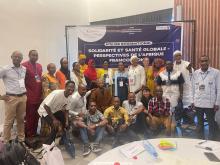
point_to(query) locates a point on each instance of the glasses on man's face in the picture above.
(92, 105)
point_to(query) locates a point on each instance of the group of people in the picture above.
(121, 102)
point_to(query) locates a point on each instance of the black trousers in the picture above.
(210, 115)
(59, 115)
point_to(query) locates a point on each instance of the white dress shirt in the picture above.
(13, 78)
(78, 103)
(187, 86)
(206, 88)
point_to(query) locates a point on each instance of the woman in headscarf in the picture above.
(77, 76)
(91, 74)
(82, 62)
(63, 73)
(49, 81)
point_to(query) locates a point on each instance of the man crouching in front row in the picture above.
(92, 124)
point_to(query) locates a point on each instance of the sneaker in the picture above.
(86, 149)
(96, 147)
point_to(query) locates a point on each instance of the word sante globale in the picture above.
(118, 50)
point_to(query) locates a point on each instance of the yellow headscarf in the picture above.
(82, 56)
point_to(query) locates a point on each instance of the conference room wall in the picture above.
(39, 25)
(108, 9)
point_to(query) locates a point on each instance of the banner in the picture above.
(118, 43)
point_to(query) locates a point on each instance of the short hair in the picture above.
(31, 51)
(92, 101)
(69, 82)
(204, 55)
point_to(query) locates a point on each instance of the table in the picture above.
(185, 154)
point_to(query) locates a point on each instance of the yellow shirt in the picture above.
(116, 115)
(150, 79)
(83, 68)
(101, 72)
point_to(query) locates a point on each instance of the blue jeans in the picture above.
(99, 131)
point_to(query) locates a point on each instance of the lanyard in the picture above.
(17, 71)
(204, 77)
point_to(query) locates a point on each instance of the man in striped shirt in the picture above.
(159, 112)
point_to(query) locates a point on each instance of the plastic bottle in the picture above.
(150, 149)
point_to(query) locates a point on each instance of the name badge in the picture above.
(21, 83)
(37, 78)
(121, 84)
(131, 80)
(107, 80)
(202, 87)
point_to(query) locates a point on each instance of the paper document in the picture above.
(132, 150)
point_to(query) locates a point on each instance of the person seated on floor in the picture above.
(53, 110)
(136, 113)
(102, 96)
(159, 112)
(118, 123)
(146, 96)
(93, 124)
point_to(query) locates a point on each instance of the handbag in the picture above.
(52, 155)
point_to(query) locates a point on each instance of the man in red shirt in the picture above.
(34, 87)
(159, 112)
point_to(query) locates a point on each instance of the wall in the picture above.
(109, 9)
(206, 13)
(38, 24)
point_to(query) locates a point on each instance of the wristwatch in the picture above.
(96, 125)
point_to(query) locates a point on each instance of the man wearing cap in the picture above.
(15, 98)
(82, 62)
(136, 77)
(185, 68)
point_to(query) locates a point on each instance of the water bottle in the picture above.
(150, 149)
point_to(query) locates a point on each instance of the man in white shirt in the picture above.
(135, 111)
(206, 96)
(136, 77)
(54, 109)
(77, 106)
(185, 68)
(15, 98)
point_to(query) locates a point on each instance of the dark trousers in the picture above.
(210, 115)
(31, 119)
(59, 115)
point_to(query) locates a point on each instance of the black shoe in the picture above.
(86, 149)
(96, 147)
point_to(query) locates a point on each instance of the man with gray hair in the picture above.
(15, 98)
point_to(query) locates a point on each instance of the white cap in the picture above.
(133, 57)
(177, 52)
